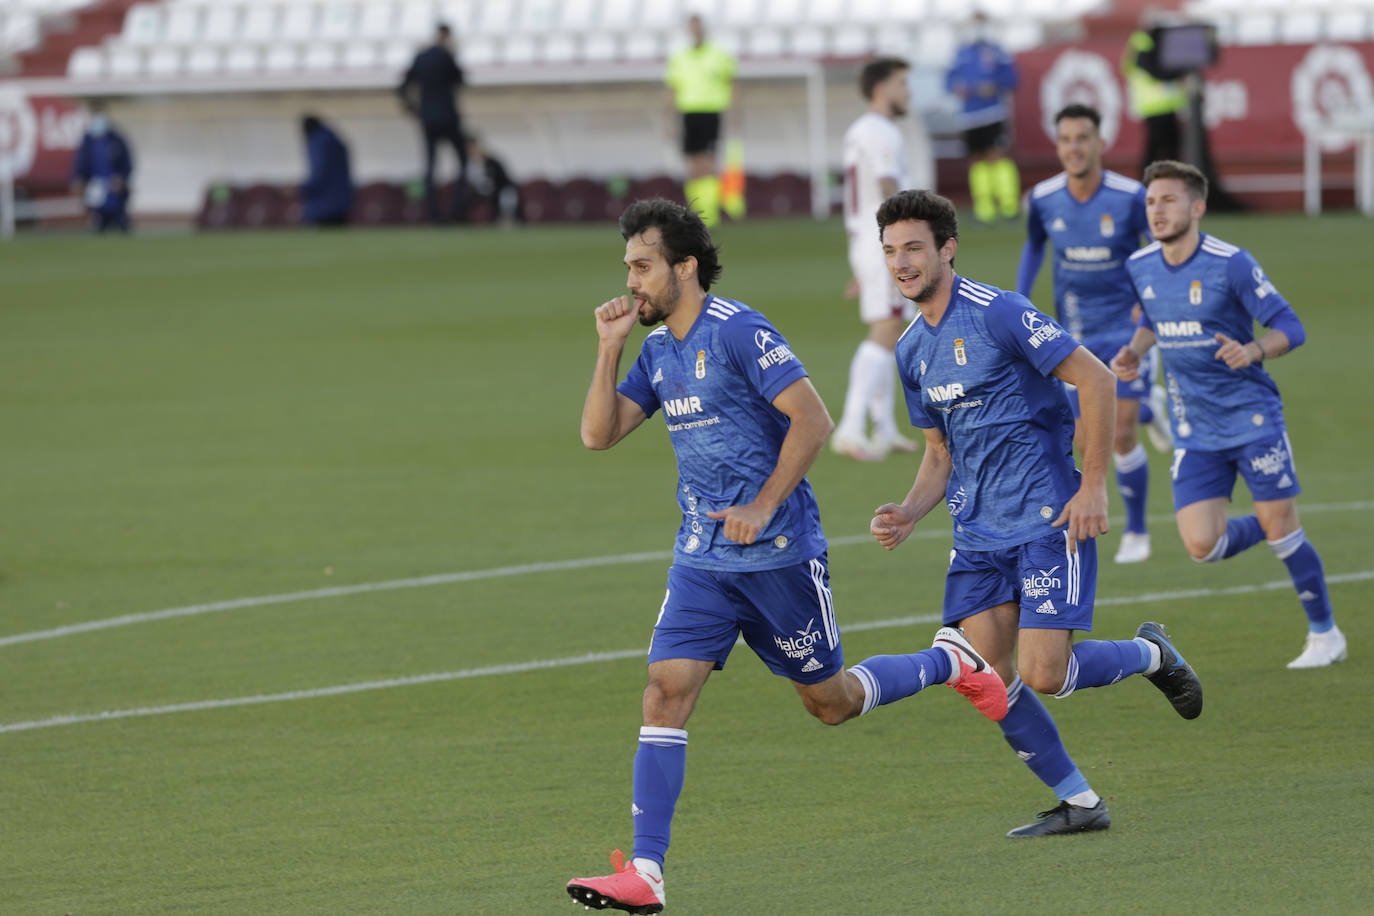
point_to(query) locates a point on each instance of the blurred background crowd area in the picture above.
(209, 94)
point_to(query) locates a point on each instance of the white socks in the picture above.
(870, 384)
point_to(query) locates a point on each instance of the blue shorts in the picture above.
(1266, 465)
(1054, 588)
(1136, 389)
(785, 615)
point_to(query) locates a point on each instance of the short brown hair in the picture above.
(878, 70)
(1191, 176)
(926, 206)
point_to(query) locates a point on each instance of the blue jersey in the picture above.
(1092, 240)
(1220, 288)
(982, 73)
(982, 377)
(716, 387)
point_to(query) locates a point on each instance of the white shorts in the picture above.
(878, 295)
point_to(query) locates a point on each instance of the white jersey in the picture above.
(873, 149)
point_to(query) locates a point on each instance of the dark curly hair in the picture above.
(683, 235)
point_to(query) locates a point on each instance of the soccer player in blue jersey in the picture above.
(1201, 298)
(1096, 219)
(750, 557)
(981, 370)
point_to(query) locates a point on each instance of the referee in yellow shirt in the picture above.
(700, 77)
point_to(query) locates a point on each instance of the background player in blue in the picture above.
(1096, 219)
(1202, 297)
(981, 370)
(983, 76)
(750, 556)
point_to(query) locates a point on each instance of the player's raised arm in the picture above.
(607, 415)
(1086, 512)
(893, 523)
(809, 428)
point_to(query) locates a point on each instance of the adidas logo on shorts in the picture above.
(1047, 608)
(811, 665)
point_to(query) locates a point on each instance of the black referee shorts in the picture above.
(988, 136)
(700, 131)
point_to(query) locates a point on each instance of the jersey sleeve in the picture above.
(636, 386)
(760, 354)
(915, 400)
(1028, 333)
(1253, 290)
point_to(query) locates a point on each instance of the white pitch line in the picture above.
(586, 659)
(499, 572)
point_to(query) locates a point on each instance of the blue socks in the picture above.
(889, 678)
(1305, 568)
(660, 766)
(1100, 662)
(1034, 737)
(1133, 480)
(1241, 534)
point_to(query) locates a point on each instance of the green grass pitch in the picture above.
(188, 421)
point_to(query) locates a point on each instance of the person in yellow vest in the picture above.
(700, 78)
(1156, 102)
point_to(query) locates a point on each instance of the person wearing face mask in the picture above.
(101, 171)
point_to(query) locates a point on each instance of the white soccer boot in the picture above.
(1134, 548)
(1321, 649)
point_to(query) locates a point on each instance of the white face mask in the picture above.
(98, 126)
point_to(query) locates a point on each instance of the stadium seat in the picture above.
(495, 17)
(380, 203)
(298, 21)
(86, 63)
(601, 46)
(653, 186)
(1301, 27)
(1256, 28)
(519, 49)
(577, 15)
(203, 60)
(560, 48)
(320, 56)
(584, 199)
(220, 25)
(376, 20)
(460, 15)
(181, 25)
(480, 50)
(850, 40)
(1347, 25)
(164, 61)
(242, 58)
(338, 21)
(540, 198)
(416, 20)
(281, 58)
(124, 61)
(262, 205)
(259, 23)
(142, 24)
(785, 194)
(763, 41)
(643, 44)
(397, 55)
(361, 54)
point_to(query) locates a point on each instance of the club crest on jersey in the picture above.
(1107, 225)
(1195, 292)
(701, 364)
(960, 354)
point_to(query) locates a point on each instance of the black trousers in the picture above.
(450, 132)
(1163, 140)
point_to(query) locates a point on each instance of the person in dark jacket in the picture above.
(428, 92)
(100, 172)
(327, 194)
(491, 180)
